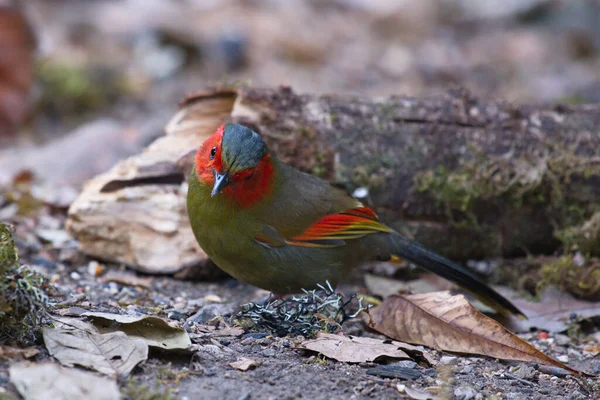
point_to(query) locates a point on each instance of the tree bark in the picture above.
(469, 178)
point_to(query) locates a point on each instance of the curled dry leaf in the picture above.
(50, 381)
(445, 322)
(244, 364)
(357, 349)
(155, 331)
(76, 342)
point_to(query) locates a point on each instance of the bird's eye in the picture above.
(213, 153)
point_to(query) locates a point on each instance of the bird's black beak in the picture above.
(221, 180)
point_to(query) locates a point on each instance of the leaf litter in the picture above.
(445, 322)
(354, 349)
(155, 331)
(50, 381)
(73, 342)
(244, 364)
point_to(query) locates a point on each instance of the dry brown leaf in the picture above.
(445, 322)
(76, 342)
(155, 331)
(12, 353)
(244, 364)
(50, 381)
(356, 349)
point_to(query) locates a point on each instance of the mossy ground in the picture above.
(23, 298)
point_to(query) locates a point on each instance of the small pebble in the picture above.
(525, 372)
(177, 316)
(269, 353)
(255, 348)
(467, 370)
(406, 364)
(75, 276)
(564, 358)
(236, 347)
(562, 340)
(465, 392)
(180, 305)
(574, 352)
(449, 360)
(94, 268)
(248, 341)
(113, 288)
(546, 371)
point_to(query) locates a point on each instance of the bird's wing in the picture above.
(332, 230)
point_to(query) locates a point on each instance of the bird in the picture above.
(270, 225)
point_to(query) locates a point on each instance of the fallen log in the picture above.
(469, 178)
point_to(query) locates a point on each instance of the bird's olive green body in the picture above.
(228, 233)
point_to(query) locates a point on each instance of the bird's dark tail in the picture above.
(417, 254)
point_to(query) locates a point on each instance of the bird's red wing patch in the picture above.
(350, 224)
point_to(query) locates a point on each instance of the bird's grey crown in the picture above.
(242, 147)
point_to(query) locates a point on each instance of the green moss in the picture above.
(136, 391)
(319, 169)
(520, 184)
(582, 278)
(573, 99)
(23, 298)
(8, 251)
(368, 176)
(584, 237)
(72, 90)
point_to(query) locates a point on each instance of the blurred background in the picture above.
(96, 81)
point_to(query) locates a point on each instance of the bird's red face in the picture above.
(235, 163)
